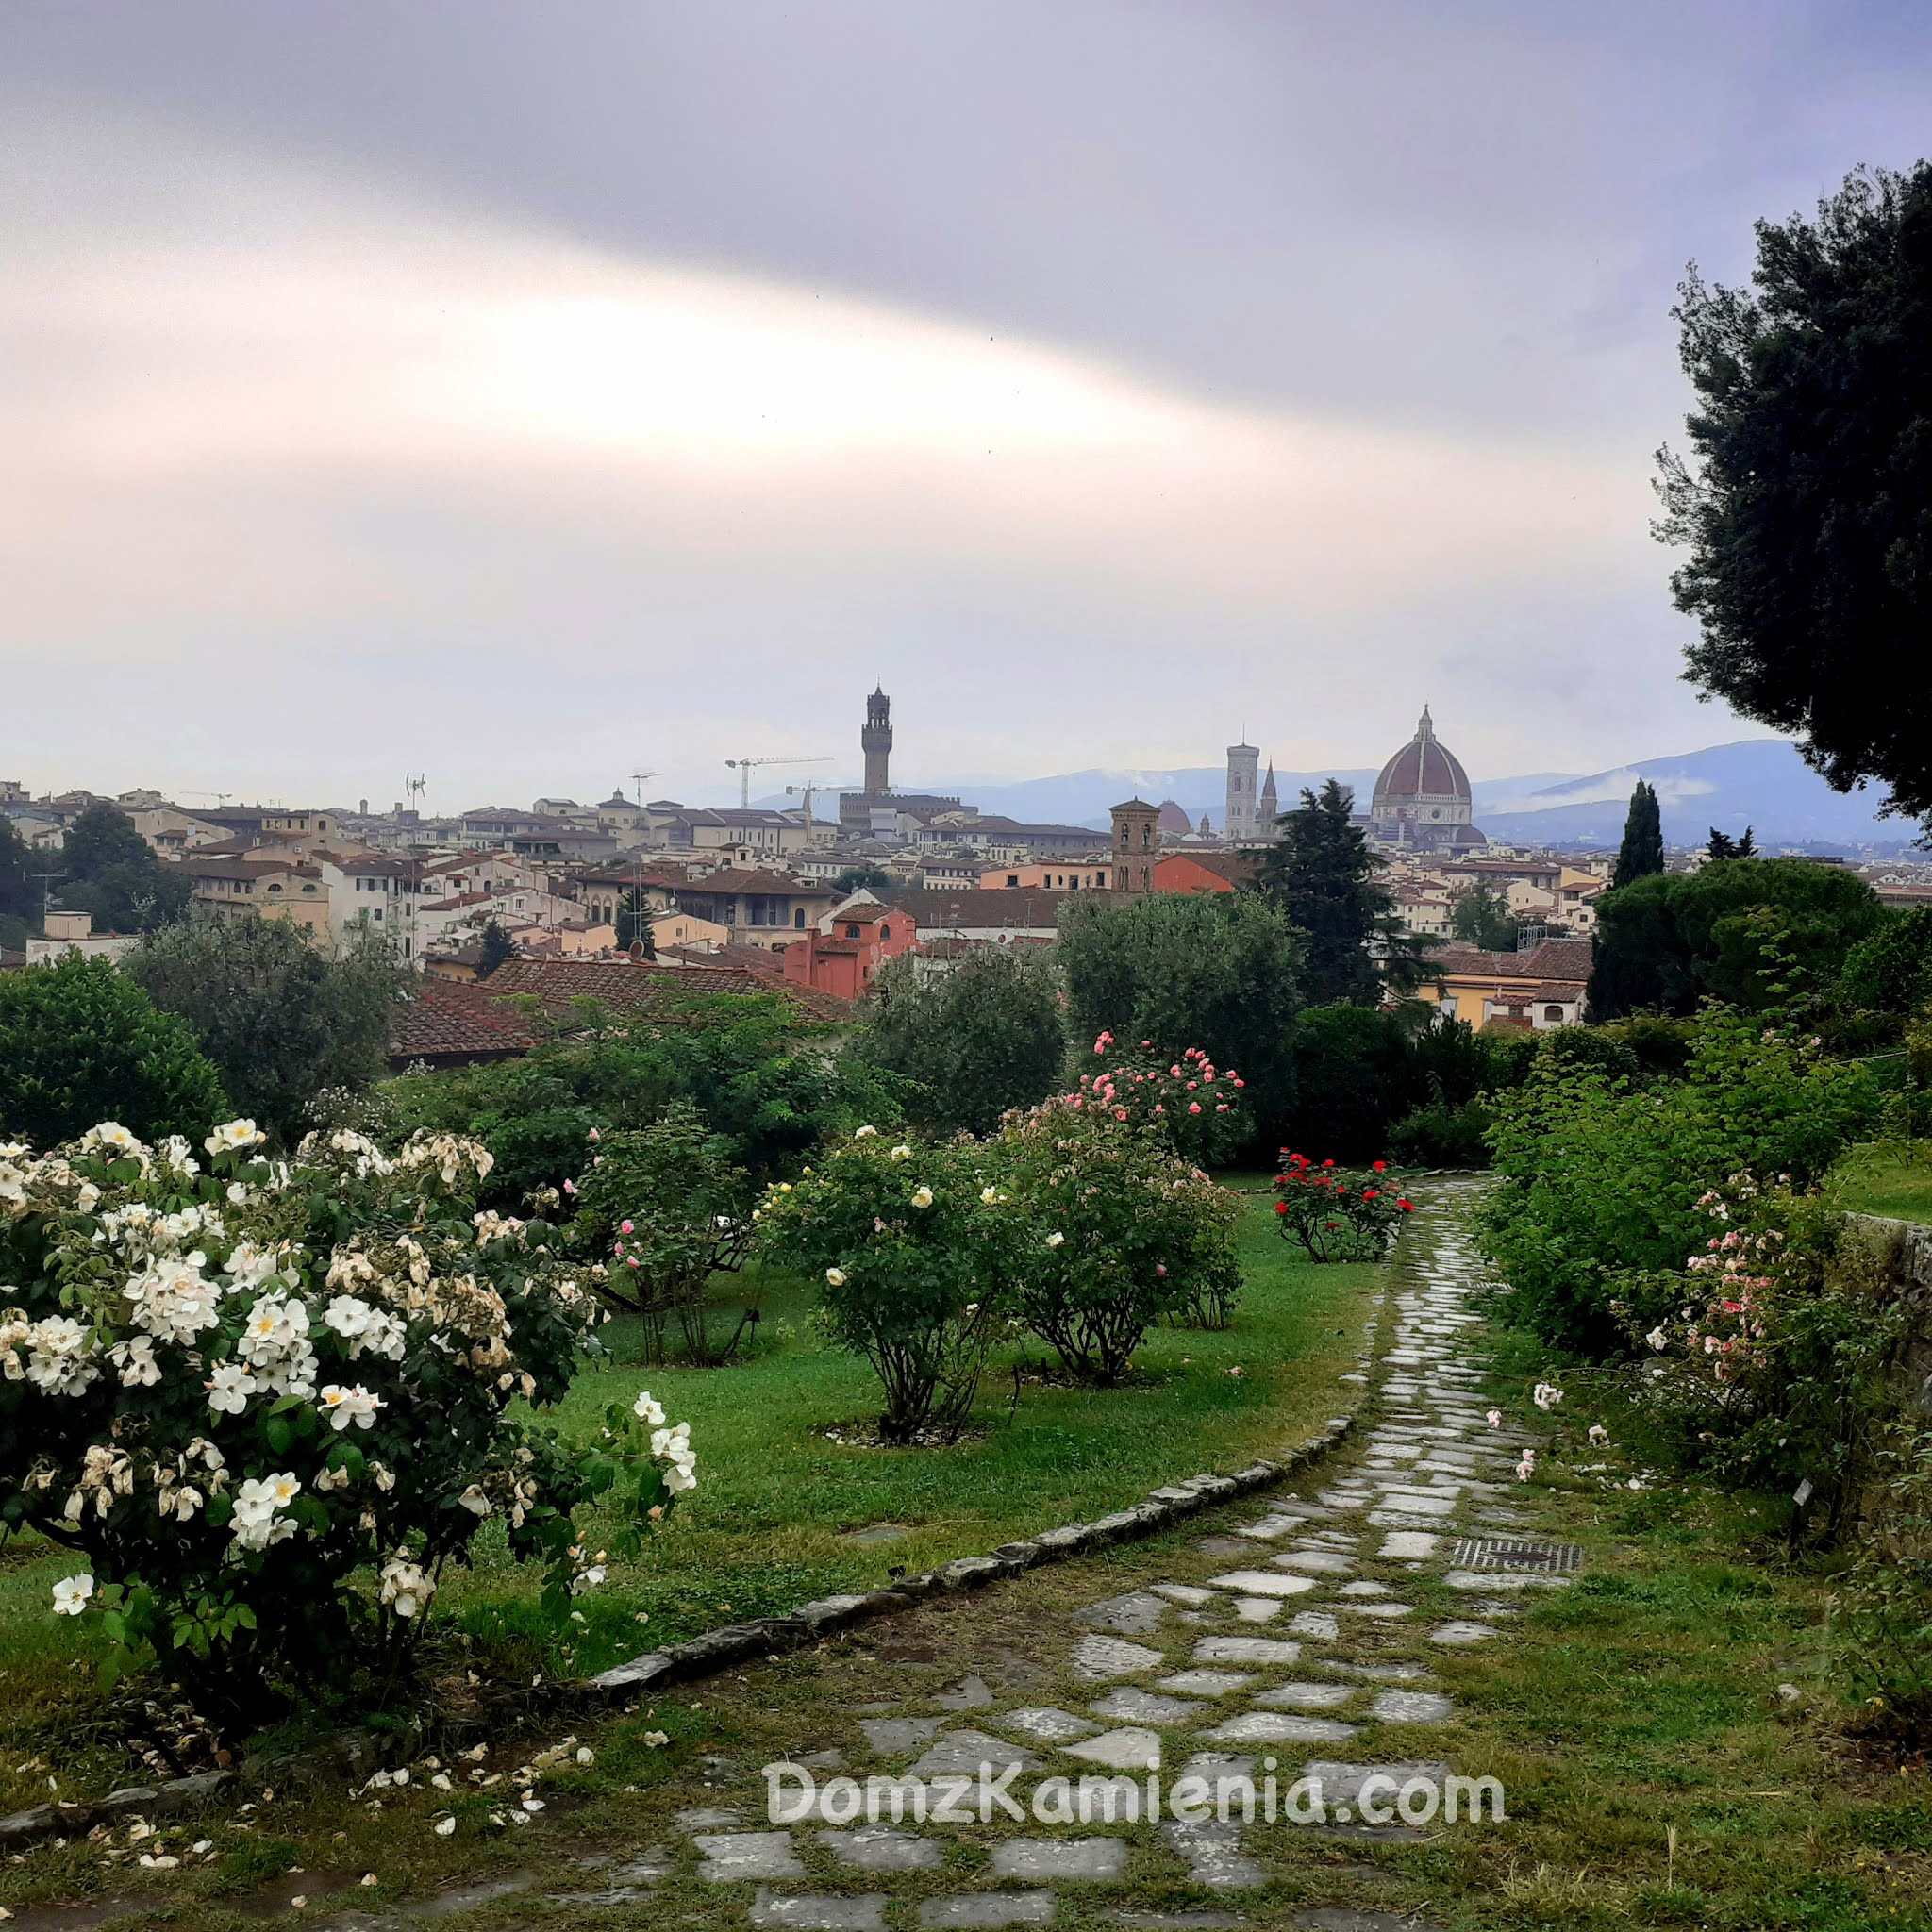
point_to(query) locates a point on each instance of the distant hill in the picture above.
(1760, 782)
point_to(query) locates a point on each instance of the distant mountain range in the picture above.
(1759, 782)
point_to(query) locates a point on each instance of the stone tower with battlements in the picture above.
(876, 741)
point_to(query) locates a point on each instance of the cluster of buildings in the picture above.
(817, 903)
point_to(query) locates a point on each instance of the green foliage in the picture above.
(280, 1017)
(1810, 565)
(1356, 1074)
(757, 1075)
(918, 1249)
(80, 1042)
(112, 873)
(1443, 1133)
(1723, 845)
(664, 1210)
(266, 1463)
(865, 879)
(1321, 871)
(1338, 1213)
(1886, 1595)
(974, 1041)
(635, 918)
(1122, 1233)
(1601, 1171)
(496, 948)
(1219, 971)
(1641, 853)
(1889, 970)
(20, 896)
(1740, 930)
(1482, 918)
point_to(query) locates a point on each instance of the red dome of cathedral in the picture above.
(1423, 768)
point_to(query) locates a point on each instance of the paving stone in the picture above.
(1279, 1727)
(866, 1914)
(831, 1759)
(1099, 1658)
(1258, 1610)
(1402, 1519)
(1130, 1748)
(1143, 1707)
(1315, 1562)
(1347, 1919)
(1092, 1860)
(1459, 1633)
(623, 1884)
(961, 1753)
(892, 1736)
(731, 1855)
(1342, 1784)
(974, 1695)
(988, 1908)
(1306, 1696)
(883, 1848)
(1262, 1583)
(1214, 1855)
(1316, 1624)
(708, 1818)
(1245, 1650)
(1383, 1610)
(1383, 1673)
(1224, 1546)
(1412, 1707)
(1137, 1614)
(1408, 1542)
(1205, 1683)
(1365, 1588)
(1188, 1594)
(1045, 1723)
(1180, 1922)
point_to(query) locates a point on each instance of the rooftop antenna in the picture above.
(637, 779)
(415, 784)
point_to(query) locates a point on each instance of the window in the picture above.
(885, 934)
(851, 932)
(274, 888)
(798, 916)
(1554, 1014)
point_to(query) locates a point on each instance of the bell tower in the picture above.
(876, 741)
(1136, 845)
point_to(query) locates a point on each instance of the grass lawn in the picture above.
(1875, 1179)
(770, 1523)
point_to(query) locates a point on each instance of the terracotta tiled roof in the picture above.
(446, 1024)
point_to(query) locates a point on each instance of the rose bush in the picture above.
(916, 1247)
(266, 1404)
(1122, 1233)
(1338, 1215)
(1198, 1107)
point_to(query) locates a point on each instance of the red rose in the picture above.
(1281, 1206)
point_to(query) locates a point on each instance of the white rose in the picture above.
(71, 1595)
(836, 1276)
(922, 1198)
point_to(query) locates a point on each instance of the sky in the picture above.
(533, 395)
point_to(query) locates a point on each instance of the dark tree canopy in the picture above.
(1482, 918)
(19, 889)
(109, 871)
(1324, 875)
(977, 1040)
(80, 1043)
(1729, 932)
(1220, 971)
(1642, 850)
(279, 1016)
(494, 947)
(1807, 504)
(1723, 845)
(864, 878)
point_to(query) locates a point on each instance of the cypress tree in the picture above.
(1642, 850)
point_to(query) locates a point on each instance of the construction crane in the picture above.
(808, 791)
(745, 767)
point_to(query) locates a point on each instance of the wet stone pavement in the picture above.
(1314, 1634)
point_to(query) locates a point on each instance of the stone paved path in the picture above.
(1317, 1633)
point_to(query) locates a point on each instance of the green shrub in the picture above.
(265, 1461)
(1356, 1072)
(974, 1042)
(1123, 1233)
(80, 1042)
(1887, 1595)
(916, 1247)
(1440, 1135)
(1191, 1106)
(1601, 1172)
(664, 1210)
(1338, 1213)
